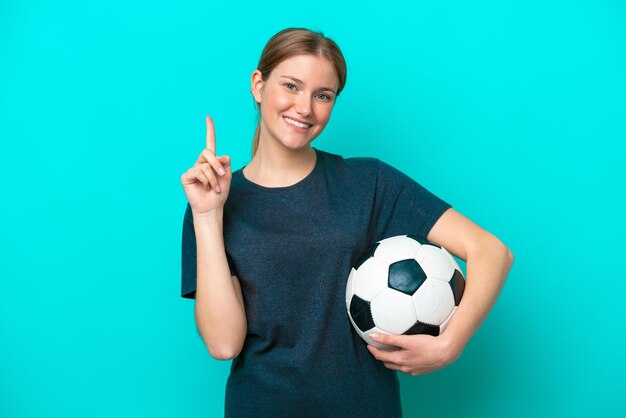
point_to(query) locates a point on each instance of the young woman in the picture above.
(267, 250)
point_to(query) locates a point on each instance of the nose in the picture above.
(303, 105)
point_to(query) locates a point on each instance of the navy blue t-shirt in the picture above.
(292, 249)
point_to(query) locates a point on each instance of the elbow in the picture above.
(224, 353)
(220, 344)
(222, 356)
(508, 254)
(495, 246)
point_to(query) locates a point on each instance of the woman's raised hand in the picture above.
(207, 183)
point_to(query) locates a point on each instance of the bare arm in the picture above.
(488, 264)
(219, 309)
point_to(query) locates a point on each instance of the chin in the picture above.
(295, 143)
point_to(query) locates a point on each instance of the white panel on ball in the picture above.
(456, 265)
(396, 248)
(433, 301)
(435, 263)
(371, 278)
(393, 311)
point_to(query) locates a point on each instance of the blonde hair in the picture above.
(297, 41)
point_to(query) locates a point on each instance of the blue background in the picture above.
(513, 112)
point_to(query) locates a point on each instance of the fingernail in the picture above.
(217, 188)
(221, 170)
(373, 336)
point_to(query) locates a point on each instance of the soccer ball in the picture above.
(403, 285)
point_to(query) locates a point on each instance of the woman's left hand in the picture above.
(418, 354)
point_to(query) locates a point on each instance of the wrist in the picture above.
(214, 215)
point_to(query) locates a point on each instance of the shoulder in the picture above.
(352, 174)
(367, 169)
(361, 164)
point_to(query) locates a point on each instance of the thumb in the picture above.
(388, 339)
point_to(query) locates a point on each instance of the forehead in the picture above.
(311, 69)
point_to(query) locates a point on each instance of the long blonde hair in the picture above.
(296, 41)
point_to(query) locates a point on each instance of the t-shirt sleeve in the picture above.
(189, 261)
(402, 206)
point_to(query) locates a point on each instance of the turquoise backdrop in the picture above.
(514, 112)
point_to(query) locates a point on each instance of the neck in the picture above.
(274, 165)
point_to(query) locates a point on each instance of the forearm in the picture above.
(486, 270)
(220, 316)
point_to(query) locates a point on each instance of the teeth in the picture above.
(293, 122)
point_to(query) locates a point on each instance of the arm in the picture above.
(219, 310)
(488, 262)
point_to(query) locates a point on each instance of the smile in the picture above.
(296, 124)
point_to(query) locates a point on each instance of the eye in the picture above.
(326, 97)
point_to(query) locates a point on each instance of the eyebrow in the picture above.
(301, 82)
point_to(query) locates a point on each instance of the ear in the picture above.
(256, 83)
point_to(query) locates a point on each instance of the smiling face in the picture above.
(300, 90)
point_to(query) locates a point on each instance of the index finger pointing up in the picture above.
(210, 135)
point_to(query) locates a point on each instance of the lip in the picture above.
(296, 128)
(297, 120)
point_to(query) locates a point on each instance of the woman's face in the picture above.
(301, 88)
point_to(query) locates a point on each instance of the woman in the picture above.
(267, 250)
